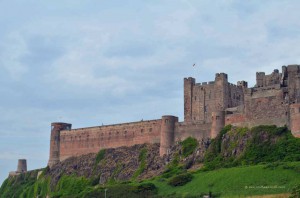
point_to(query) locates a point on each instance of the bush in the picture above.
(295, 192)
(173, 168)
(100, 155)
(180, 180)
(145, 188)
(188, 146)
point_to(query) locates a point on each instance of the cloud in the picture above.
(11, 52)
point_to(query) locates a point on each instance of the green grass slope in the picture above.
(241, 181)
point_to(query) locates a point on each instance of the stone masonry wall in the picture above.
(77, 142)
(263, 106)
(203, 102)
(196, 130)
(202, 99)
(235, 119)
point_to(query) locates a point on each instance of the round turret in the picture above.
(295, 119)
(56, 127)
(167, 133)
(22, 166)
(218, 122)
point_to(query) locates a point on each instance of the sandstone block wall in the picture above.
(198, 130)
(295, 119)
(90, 140)
(238, 119)
(266, 107)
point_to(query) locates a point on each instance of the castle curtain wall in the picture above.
(90, 140)
(196, 130)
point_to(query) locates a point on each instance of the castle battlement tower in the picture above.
(56, 127)
(167, 134)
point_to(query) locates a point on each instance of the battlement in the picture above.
(221, 76)
(190, 80)
(116, 125)
(205, 83)
(242, 84)
(293, 68)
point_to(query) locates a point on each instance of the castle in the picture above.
(208, 107)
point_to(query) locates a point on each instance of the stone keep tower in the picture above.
(167, 133)
(56, 127)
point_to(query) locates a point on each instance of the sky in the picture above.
(89, 62)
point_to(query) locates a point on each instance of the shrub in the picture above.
(142, 160)
(173, 168)
(180, 180)
(100, 155)
(295, 192)
(145, 188)
(188, 146)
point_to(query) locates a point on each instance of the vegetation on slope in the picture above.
(270, 178)
(238, 162)
(20, 186)
(188, 146)
(142, 161)
(250, 147)
(273, 178)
